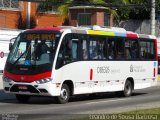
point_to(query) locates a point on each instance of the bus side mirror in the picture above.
(10, 46)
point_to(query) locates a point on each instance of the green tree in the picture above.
(121, 9)
(62, 6)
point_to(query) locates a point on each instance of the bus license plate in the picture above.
(22, 87)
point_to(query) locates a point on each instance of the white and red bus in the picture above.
(66, 61)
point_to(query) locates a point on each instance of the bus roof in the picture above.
(95, 30)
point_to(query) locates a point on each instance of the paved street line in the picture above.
(106, 101)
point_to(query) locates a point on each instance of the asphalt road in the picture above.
(42, 108)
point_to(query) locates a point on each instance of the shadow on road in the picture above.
(9, 98)
(99, 96)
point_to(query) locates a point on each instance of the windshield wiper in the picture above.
(22, 55)
(19, 57)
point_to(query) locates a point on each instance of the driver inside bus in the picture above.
(40, 48)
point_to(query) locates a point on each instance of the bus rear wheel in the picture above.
(64, 95)
(128, 88)
(22, 98)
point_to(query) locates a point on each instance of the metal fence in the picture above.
(9, 4)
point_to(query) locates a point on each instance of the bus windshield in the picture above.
(33, 49)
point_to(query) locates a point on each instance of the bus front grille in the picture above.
(23, 88)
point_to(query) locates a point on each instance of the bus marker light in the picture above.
(91, 74)
(1, 54)
(154, 72)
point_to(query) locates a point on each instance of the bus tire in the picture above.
(22, 98)
(128, 88)
(64, 95)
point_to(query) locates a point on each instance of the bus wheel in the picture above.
(64, 95)
(22, 98)
(128, 88)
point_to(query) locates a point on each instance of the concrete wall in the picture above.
(138, 26)
(142, 27)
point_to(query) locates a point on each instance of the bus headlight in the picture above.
(45, 80)
(5, 79)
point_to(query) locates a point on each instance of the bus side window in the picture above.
(111, 52)
(127, 49)
(101, 49)
(60, 59)
(84, 50)
(147, 50)
(68, 51)
(134, 50)
(74, 50)
(119, 48)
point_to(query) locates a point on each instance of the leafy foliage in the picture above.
(121, 9)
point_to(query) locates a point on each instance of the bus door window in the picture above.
(68, 51)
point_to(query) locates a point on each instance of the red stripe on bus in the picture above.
(91, 74)
(27, 78)
(132, 35)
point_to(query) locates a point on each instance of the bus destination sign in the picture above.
(40, 36)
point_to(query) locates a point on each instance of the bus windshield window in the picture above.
(33, 49)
